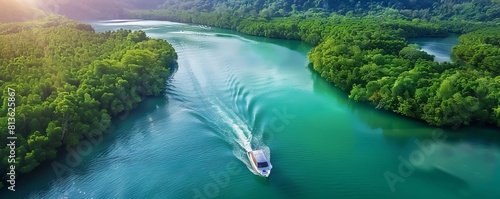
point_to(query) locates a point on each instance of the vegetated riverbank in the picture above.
(370, 58)
(69, 81)
(227, 83)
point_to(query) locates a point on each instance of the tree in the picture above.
(68, 89)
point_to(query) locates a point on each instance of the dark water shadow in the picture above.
(44, 177)
(398, 129)
(173, 69)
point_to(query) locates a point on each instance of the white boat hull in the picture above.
(263, 171)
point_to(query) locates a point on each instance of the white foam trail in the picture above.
(230, 126)
(243, 135)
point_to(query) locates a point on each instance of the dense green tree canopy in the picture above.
(70, 81)
(410, 83)
(481, 48)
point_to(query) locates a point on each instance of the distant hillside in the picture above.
(476, 10)
(96, 9)
(16, 11)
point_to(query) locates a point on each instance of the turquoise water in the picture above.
(233, 92)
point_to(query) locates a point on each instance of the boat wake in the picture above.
(227, 123)
(239, 135)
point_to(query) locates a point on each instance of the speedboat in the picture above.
(259, 162)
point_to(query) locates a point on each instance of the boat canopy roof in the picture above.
(259, 156)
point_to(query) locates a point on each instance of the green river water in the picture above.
(231, 93)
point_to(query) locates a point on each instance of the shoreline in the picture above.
(276, 21)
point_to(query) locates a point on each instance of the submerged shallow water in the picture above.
(231, 93)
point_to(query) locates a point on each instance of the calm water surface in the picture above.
(440, 47)
(233, 92)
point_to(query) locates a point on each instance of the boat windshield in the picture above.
(262, 164)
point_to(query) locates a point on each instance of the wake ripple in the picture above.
(229, 125)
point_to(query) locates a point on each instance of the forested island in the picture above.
(69, 82)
